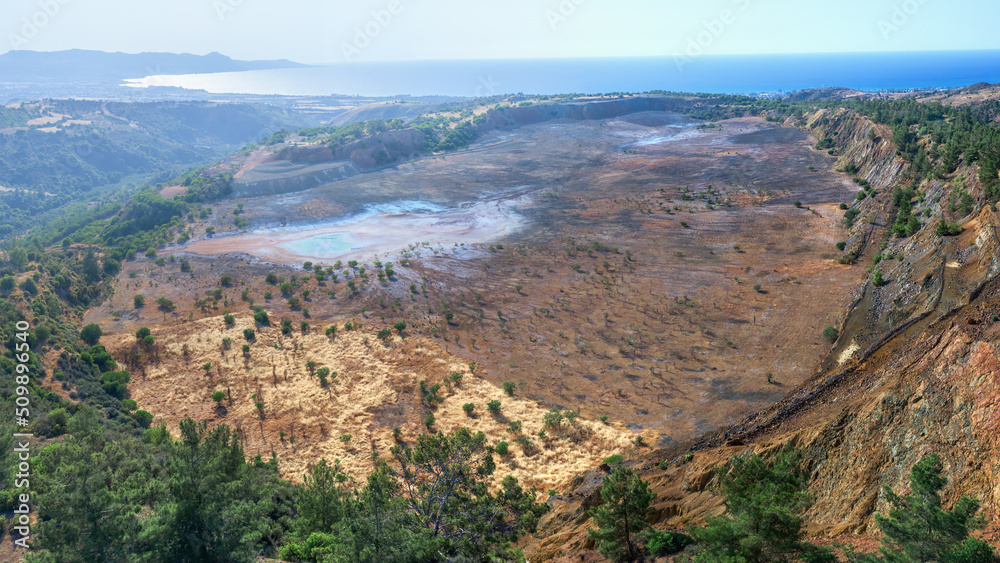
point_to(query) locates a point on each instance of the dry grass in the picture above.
(376, 389)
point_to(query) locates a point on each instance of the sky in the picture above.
(334, 31)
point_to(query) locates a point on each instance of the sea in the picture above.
(742, 74)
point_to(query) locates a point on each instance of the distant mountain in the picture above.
(79, 66)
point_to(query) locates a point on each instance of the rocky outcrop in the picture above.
(860, 145)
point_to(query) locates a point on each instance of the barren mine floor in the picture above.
(636, 268)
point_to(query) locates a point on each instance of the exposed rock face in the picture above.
(875, 157)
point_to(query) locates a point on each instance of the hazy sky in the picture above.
(314, 31)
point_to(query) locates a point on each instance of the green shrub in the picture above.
(261, 317)
(830, 333)
(877, 279)
(667, 543)
(144, 418)
(493, 407)
(946, 229)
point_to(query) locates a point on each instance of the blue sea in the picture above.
(716, 74)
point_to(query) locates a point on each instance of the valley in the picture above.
(627, 278)
(608, 284)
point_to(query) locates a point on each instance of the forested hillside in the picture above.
(60, 152)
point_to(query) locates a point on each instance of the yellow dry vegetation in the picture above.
(376, 388)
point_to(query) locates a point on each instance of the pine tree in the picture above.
(321, 498)
(622, 519)
(917, 529)
(764, 501)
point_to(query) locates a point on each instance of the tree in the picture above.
(444, 481)
(91, 334)
(322, 373)
(19, 258)
(552, 419)
(374, 527)
(28, 286)
(830, 333)
(115, 382)
(144, 418)
(508, 387)
(261, 317)
(165, 305)
(622, 519)
(85, 506)
(322, 498)
(917, 529)
(384, 334)
(400, 326)
(877, 279)
(764, 502)
(380, 529)
(91, 269)
(946, 229)
(143, 332)
(218, 507)
(218, 397)
(139, 301)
